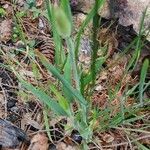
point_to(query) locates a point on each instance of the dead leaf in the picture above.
(63, 146)
(100, 99)
(108, 138)
(27, 120)
(5, 30)
(27, 73)
(39, 142)
(78, 19)
(39, 3)
(109, 38)
(103, 76)
(116, 73)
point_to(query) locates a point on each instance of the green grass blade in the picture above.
(147, 85)
(136, 55)
(142, 80)
(68, 76)
(66, 7)
(95, 44)
(51, 103)
(70, 45)
(98, 66)
(17, 21)
(61, 100)
(133, 119)
(56, 37)
(140, 146)
(65, 83)
(84, 24)
(130, 91)
(46, 122)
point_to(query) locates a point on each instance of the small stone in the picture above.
(5, 6)
(11, 103)
(41, 24)
(108, 138)
(76, 136)
(20, 44)
(99, 88)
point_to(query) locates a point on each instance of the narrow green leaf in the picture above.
(140, 146)
(95, 44)
(51, 103)
(62, 101)
(98, 66)
(71, 48)
(35, 70)
(2, 12)
(46, 122)
(133, 119)
(142, 80)
(66, 7)
(133, 61)
(63, 25)
(84, 24)
(130, 91)
(56, 37)
(65, 83)
(68, 77)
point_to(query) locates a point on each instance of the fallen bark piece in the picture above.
(39, 142)
(10, 135)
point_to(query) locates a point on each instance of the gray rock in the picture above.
(128, 11)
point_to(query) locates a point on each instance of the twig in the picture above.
(124, 143)
(5, 98)
(135, 130)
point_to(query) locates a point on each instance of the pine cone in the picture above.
(46, 47)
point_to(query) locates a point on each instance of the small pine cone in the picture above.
(46, 47)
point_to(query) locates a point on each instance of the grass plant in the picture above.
(72, 85)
